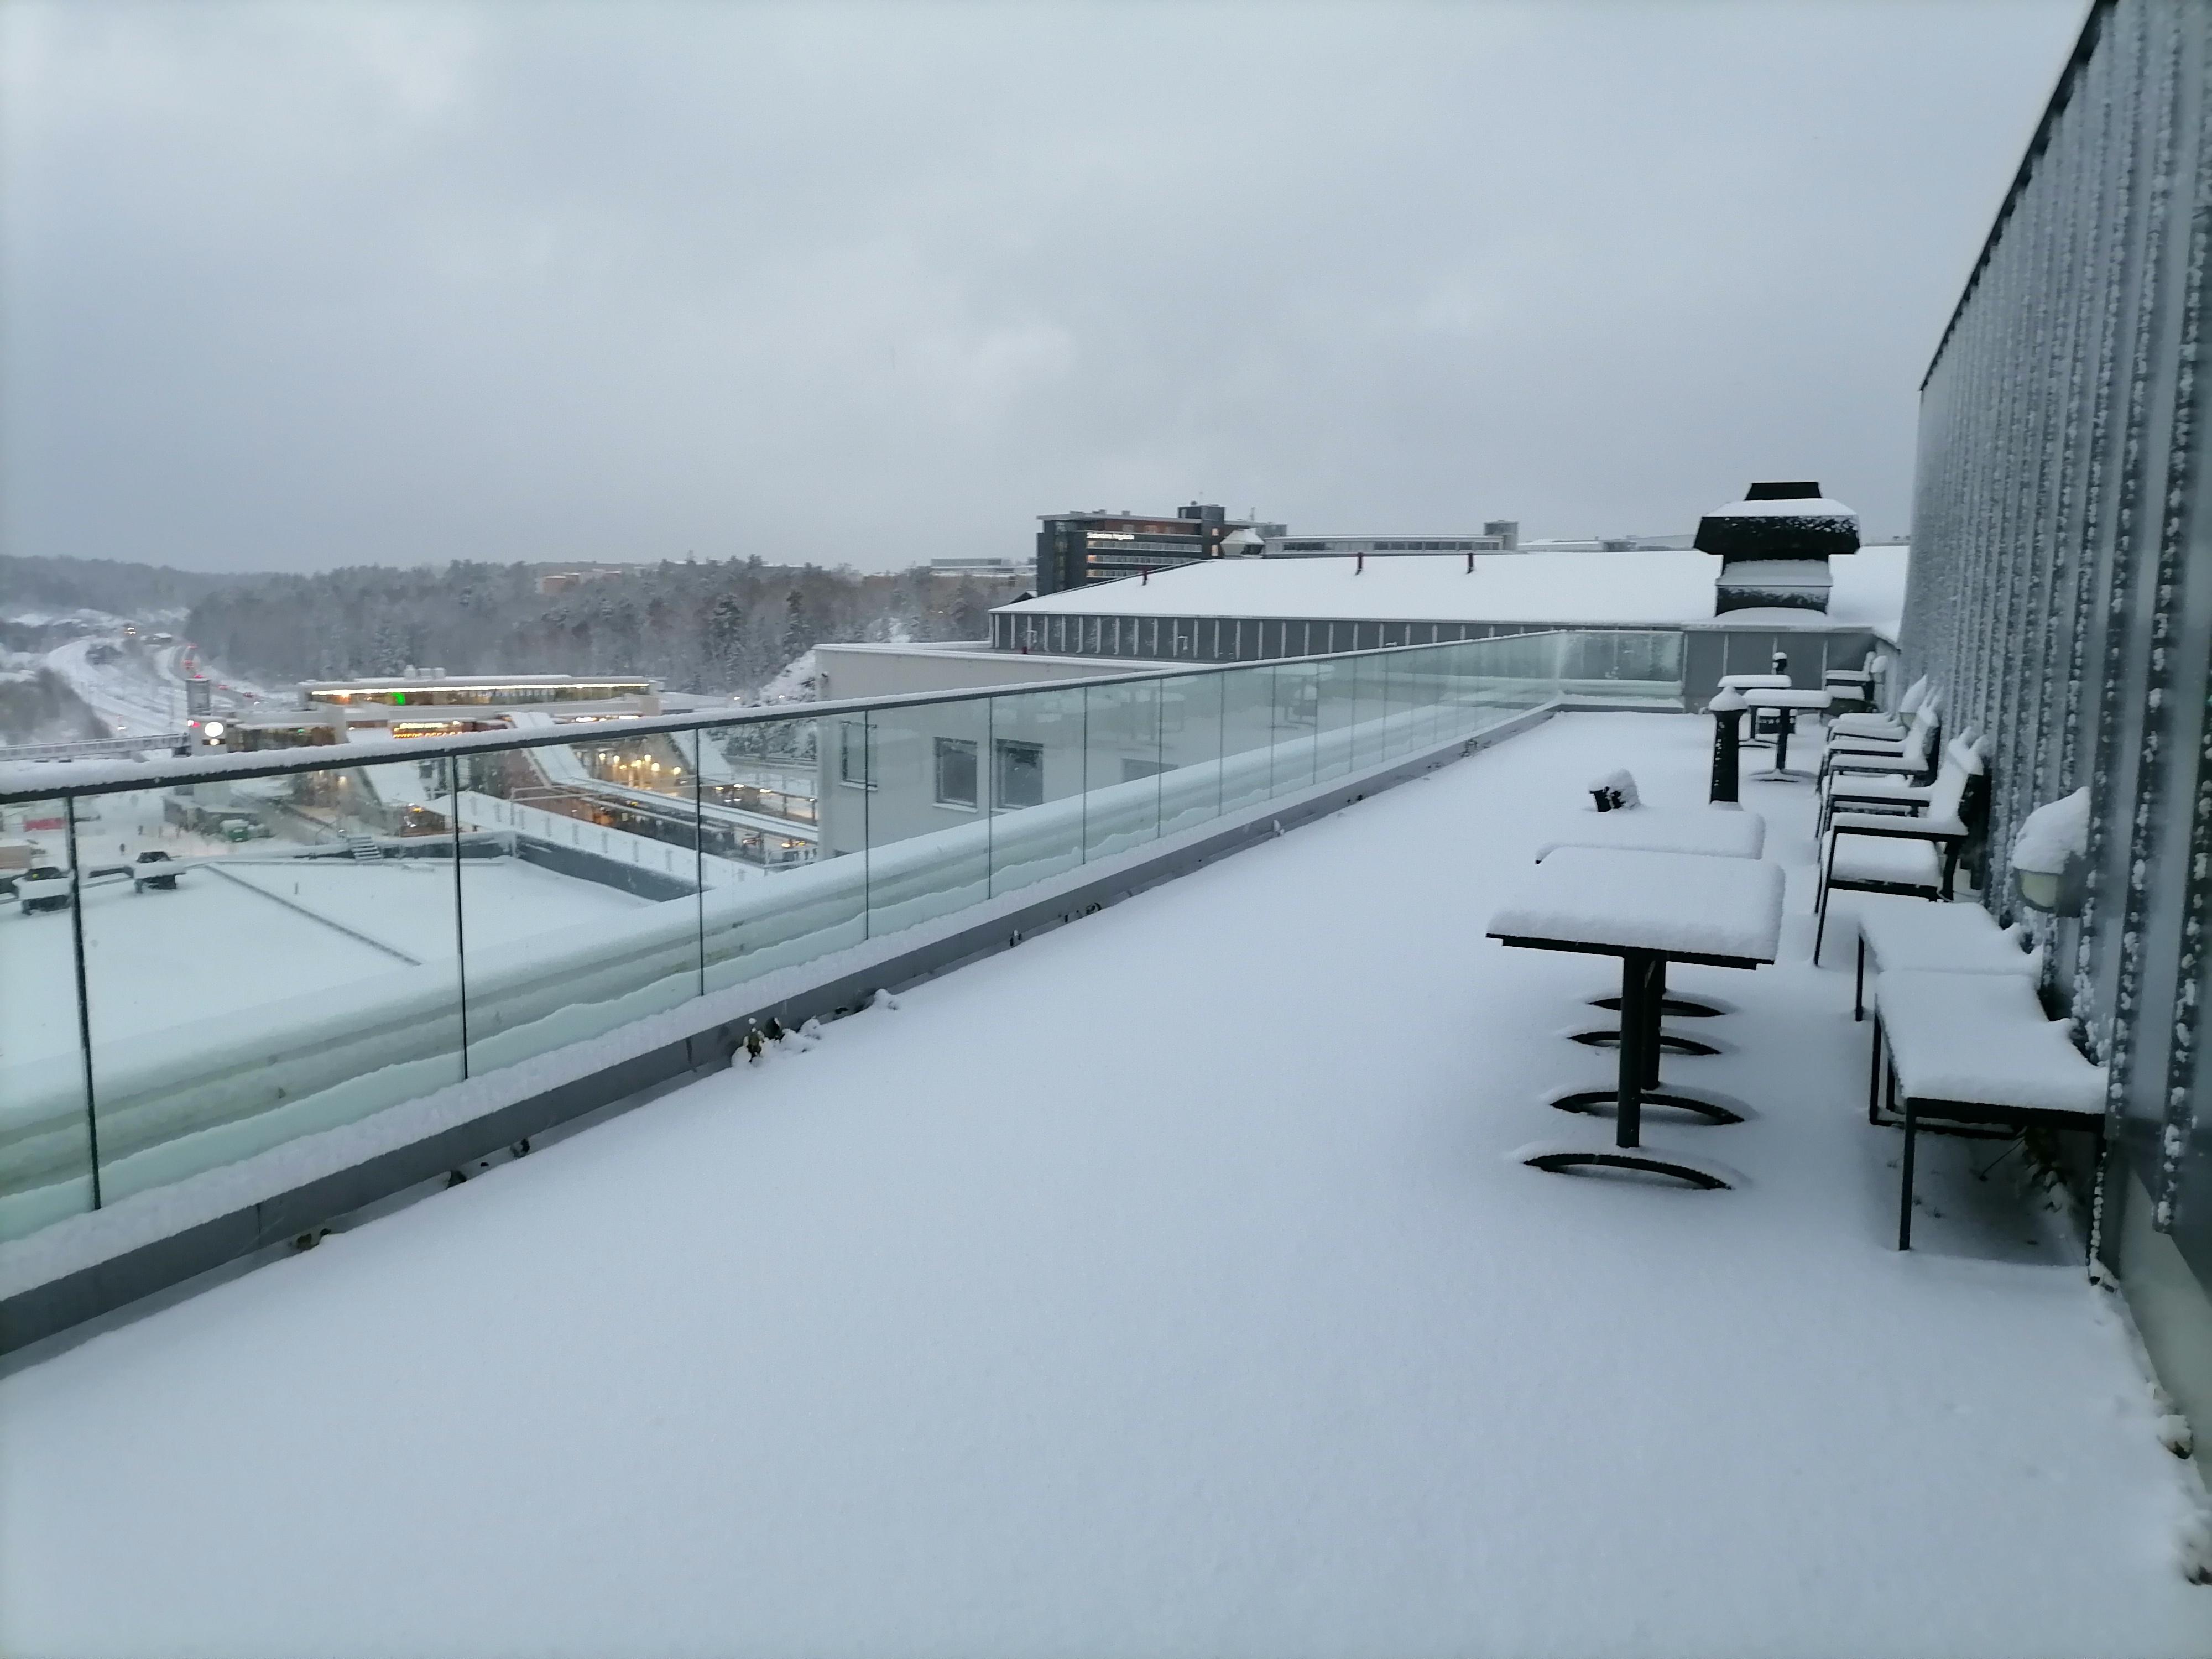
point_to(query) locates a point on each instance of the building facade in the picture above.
(1076, 550)
(2061, 595)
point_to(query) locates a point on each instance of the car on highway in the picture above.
(43, 887)
(155, 869)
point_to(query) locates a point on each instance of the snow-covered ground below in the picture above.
(240, 932)
(1164, 1285)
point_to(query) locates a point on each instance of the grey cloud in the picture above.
(301, 286)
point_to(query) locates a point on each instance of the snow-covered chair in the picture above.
(1895, 791)
(1916, 756)
(1892, 728)
(1977, 1048)
(1888, 852)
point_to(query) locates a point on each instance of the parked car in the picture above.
(43, 887)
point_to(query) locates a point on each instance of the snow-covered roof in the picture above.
(1645, 589)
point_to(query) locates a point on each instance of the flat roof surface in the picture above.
(1167, 1285)
(1665, 589)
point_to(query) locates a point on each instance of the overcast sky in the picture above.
(291, 286)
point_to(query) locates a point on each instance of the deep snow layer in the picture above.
(1164, 1286)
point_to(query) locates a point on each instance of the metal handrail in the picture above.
(127, 777)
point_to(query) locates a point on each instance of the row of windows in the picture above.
(1017, 779)
(1017, 776)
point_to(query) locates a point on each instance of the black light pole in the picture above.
(1727, 710)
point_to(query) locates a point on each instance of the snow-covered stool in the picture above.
(1977, 1048)
(1649, 910)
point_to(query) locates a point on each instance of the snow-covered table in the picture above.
(1649, 908)
(1977, 1048)
(1786, 704)
(1713, 831)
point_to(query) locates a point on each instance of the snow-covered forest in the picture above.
(703, 626)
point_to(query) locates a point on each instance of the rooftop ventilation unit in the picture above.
(1774, 544)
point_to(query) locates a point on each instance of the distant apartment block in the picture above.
(981, 570)
(1077, 550)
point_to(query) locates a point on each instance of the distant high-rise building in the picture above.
(1074, 549)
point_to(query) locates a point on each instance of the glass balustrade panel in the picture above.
(783, 824)
(1038, 761)
(45, 1123)
(1123, 764)
(264, 958)
(1336, 712)
(1296, 727)
(580, 888)
(1190, 779)
(1247, 737)
(928, 773)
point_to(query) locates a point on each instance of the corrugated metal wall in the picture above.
(2061, 589)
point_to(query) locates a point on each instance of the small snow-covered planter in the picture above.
(2051, 856)
(1615, 792)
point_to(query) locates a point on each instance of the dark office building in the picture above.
(1075, 549)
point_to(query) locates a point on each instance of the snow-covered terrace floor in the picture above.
(1162, 1286)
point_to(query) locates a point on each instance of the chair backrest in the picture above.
(1962, 782)
(1920, 736)
(1915, 694)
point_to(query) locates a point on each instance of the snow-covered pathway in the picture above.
(1160, 1286)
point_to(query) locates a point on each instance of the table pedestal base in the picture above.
(1626, 1158)
(1596, 1101)
(1602, 1038)
(1673, 1006)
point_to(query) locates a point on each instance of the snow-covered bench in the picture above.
(1977, 1048)
(1956, 938)
(1887, 853)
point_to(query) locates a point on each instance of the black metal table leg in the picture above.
(1654, 1009)
(1635, 1022)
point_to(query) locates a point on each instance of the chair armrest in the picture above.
(1874, 765)
(1843, 743)
(1904, 803)
(1895, 827)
